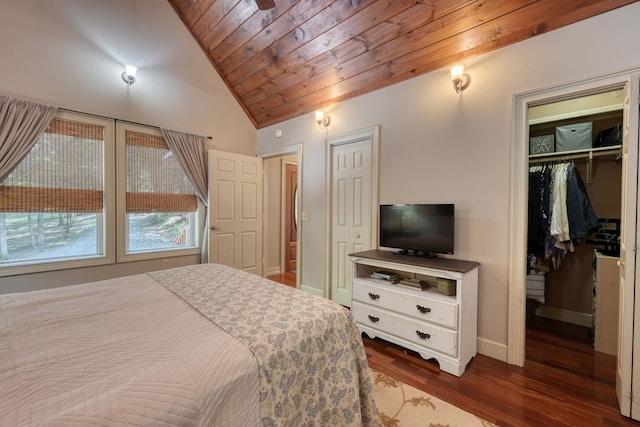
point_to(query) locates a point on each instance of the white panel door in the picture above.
(351, 214)
(235, 211)
(628, 372)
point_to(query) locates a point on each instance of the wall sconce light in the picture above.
(322, 120)
(459, 78)
(129, 75)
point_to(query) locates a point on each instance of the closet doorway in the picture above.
(282, 190)
(626, 372)
(574, 200)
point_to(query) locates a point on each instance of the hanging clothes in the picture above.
(559, 224)
(559, 211)
(558, 243)
(582, 219)
(539, 186)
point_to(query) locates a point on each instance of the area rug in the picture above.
(400, 405)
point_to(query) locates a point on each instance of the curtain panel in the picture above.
(21, 124)
(189, 150)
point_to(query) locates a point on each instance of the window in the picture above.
(63, 207)
(160, 204)
(53, 205)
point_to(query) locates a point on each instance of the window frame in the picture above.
(122, 253)
(104, 222)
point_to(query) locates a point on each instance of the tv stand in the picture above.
(437, 325)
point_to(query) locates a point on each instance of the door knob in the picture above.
(213, 227)
(357, 236)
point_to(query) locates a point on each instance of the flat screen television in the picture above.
(418, 229)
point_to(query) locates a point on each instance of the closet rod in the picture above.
(567, 157)
(581, 156)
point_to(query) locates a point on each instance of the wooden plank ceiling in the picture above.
(302, 55)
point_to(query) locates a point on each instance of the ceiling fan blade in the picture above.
(265, 4)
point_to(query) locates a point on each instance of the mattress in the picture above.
(199, 345)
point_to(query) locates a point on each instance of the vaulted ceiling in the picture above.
(302, 55)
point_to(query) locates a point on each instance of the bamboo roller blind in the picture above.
(63, 172)
(155, 179)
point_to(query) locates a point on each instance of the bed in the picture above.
(198, 345)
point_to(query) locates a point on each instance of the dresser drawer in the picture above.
(407, 302)
(416, 331)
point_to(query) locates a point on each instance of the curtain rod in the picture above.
(119, 120)
(92, 114)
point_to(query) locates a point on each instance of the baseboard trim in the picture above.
(272, 271)
(562, 315)
(310, 290)
(492, 349)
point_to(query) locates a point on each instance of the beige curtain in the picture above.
(190, 152)
(21, 123)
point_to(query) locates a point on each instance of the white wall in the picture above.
(437, 146)
(70, 53)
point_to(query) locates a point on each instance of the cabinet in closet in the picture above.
(606, 295)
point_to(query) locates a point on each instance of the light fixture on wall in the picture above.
(322, 119)
(129, 74)
(459, 78)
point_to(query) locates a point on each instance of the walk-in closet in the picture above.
(574, 202)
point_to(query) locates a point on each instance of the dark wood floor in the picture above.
(563, 382)
(288, 278)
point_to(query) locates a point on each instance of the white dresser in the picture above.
(442, 327)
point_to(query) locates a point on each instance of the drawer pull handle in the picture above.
(423, 335)
(374, 319)
(373, 296)
(423, 310)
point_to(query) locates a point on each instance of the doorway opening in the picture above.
(628, 338)
(574, 201)
(282, 229)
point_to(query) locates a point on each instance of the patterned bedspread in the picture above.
(313, 368)
(233, 350)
